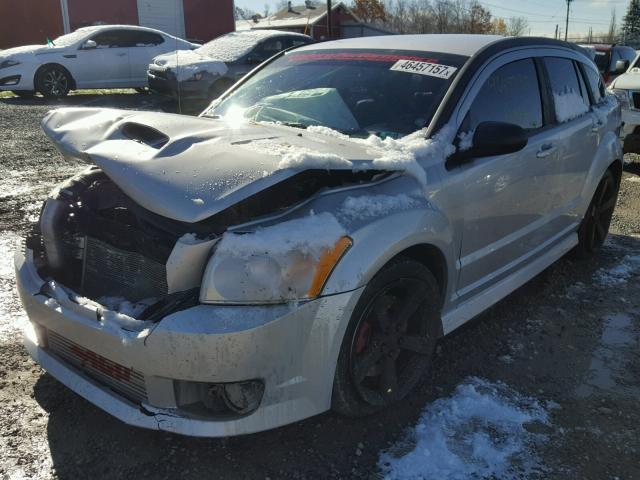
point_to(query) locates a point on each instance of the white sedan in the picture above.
(106, 56)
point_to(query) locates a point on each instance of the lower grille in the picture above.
(636, 100)
(109, 271)
(122, 380)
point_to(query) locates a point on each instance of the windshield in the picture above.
(70, 38)
(357, 92)
(232, 46)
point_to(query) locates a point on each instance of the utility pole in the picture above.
(329, 25)
(556, 35)
(566, 28)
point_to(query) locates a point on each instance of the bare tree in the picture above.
(613, 27)
(517, 26)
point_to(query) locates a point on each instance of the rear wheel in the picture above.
(53, 81)
(390, 339)
(24, 93)
(595, 224)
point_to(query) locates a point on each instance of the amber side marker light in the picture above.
(328, 260)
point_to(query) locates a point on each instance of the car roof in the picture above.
(262, 34)
(458, 44)
(97, 28)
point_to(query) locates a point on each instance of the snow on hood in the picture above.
(25, 51)
(185, 63)
(204, 167)
(190, 168)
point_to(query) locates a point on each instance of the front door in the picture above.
(104, 66)
(506, 208)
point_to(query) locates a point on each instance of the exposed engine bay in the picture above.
(93, 239)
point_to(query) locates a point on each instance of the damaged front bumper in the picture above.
(139, 377)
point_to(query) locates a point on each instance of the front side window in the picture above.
(565, 88)
(603, 61)
(358, 92)
(511, 95)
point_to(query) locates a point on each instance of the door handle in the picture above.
(546, 150)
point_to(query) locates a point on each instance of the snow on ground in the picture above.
(309, 235)
(12, 316)
(619, 273)
(478, 432)
(569, 105)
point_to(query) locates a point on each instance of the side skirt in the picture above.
(476, 305)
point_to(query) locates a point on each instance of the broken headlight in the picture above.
(269, 277)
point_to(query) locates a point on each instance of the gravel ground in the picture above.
(569, 338)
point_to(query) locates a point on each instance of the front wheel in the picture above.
(53, 81)
(594, 227)
(390, 340)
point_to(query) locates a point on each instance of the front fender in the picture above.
(378, 242)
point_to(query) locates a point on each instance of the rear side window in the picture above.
(512, 95)
(567, 98)
(139, 38)
(111, 39)
(595, 84)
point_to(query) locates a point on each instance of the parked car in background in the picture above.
(105, 56)
(304, 243)
(612, 60)
(208, 71)
(627, 88)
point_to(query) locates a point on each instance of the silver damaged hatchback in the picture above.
(302, 245)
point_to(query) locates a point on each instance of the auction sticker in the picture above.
(424, 68)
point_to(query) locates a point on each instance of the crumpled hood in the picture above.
(187, 62)
(628, 81)
(189, 168)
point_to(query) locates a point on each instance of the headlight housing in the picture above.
(9, 63)
(277, 273)
(623, 97)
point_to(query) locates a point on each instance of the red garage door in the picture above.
(28, 22)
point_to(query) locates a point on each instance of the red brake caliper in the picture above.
(364, 336)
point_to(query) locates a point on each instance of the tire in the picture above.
(594, 227)
(24, 93)
(53, 81)
(390, 339)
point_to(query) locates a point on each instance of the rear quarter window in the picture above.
(565, 88)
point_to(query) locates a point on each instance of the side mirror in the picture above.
(621, 66)
(494, 138)
(89, 45)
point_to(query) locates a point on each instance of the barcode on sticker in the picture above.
(424, 68)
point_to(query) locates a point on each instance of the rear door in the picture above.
(575, 136)
(506, 208)
(143, 47)
(106, 65)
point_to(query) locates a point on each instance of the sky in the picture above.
(542, 15)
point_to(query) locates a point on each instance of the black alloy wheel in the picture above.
(390, 340)
(53, 82)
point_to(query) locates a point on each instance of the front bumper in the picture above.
(168, 85)
(293, 349)
(15, 78)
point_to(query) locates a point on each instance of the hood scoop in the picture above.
(187, 168)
